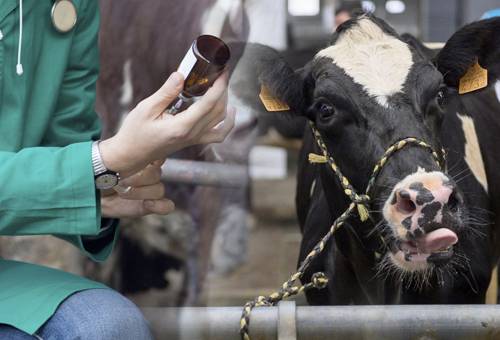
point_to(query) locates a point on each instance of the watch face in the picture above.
(106, 181)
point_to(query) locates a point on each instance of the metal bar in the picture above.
(454, 322)
(399, 322)
(205, 173)
(287, 328)
(210, 323)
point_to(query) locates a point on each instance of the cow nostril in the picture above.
(453, 201)
(405, 205)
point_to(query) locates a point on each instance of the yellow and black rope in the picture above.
(359, 203)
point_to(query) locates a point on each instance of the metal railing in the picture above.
(205, 173)
(288, 322)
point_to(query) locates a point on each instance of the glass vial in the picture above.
(202, 65)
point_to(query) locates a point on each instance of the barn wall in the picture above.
(268, 22)
(440, 19)
(475, 9)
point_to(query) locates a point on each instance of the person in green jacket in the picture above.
(57, 179)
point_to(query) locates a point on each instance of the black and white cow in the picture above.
(367, 90)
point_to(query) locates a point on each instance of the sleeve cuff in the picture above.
(99, 247)
(107, 227)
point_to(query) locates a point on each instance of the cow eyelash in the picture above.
(331, 105)
(438, 99)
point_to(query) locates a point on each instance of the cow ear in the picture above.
(422, 50)
(478, 42)
(261, 74)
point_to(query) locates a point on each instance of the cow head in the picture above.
(364, 92)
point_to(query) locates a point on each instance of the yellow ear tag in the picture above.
(474, 79)
(271, 103)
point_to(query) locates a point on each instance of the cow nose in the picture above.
(419, 201)
(416, 195)
(404, 202)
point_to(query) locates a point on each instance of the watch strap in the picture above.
(97, 163)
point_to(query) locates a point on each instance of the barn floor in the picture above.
(272, 250)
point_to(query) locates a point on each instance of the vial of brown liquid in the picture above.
(202, 65)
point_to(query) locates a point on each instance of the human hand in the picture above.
(146, 196)
(148, 133)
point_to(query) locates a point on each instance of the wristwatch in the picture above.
(104, 178)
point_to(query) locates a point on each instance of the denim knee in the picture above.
(10, 333)
(96, 314)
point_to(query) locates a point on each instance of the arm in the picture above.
(145, 136)
(48, 190)
(75, 120)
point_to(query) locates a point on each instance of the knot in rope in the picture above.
(319, 280)
(362, 202)
(361, 199)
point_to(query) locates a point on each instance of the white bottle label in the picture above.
(187, 63)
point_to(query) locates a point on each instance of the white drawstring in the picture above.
(19, 66)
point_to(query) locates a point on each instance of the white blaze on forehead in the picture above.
(473, 156)
(374, 59)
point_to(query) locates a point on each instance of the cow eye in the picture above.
(325, 110)
(440, 98)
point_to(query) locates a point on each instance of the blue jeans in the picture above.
(97, 314)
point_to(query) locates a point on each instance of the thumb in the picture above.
(158, 101)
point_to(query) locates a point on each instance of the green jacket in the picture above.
(47, 123)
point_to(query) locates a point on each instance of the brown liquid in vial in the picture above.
(202, 65)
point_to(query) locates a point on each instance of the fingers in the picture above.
(117, 207)
(149, 176)
(212, 118)
(207, 103)
(160, 207)
(219, 133)
(218, 113)
(155, 104)
(215, 123)
(220, 116)
(152, 192)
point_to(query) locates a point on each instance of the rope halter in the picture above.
(362, 201)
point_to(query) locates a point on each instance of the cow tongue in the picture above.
(439, 239)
